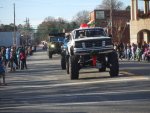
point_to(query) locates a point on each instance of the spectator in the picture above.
(138, 52)
(2, 72)
(147, 54)
(133, 50)
(125, 50)
(18, 54)
(128, 51)
(120, 50)
(13, 59)
(7, 55)
(3, 55)
(23, 59)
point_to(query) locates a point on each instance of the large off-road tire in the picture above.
(73, 67)
(63, 62)
(113, 64)
(103, 68)
(50, 55)
(67, 64)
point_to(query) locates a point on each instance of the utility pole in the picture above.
(14, 39)
(26, 30)
(111, 18)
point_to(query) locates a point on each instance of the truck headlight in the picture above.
(52, 46)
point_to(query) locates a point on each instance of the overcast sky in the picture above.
(38, 10)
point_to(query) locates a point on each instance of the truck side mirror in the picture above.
(110, 35)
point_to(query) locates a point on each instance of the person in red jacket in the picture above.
(23, 59)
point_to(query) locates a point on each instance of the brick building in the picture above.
(140, 22)
(120, 29)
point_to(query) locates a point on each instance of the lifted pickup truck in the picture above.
(89, 47)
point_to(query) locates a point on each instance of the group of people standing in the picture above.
(133, 51)
(14, 57)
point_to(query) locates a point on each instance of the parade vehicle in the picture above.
(54, 44)
(89, 47)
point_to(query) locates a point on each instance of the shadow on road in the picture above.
(135, 67)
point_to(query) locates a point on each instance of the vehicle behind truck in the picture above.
(54, 44)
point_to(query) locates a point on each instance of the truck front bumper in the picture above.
(88, 51)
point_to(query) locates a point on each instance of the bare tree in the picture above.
(128, 8)
(107, 4)
(119, 27)
(81, 17)
(49, 19)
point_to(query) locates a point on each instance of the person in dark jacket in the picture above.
(120, 50)
(2, 72)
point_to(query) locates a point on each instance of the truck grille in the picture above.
(93, 43)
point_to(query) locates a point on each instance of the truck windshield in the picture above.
(89, 33)
(56, 39)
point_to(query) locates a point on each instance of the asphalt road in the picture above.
(45, 88)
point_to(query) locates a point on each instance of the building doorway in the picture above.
(143, 36)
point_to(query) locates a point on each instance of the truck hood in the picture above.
(91, 38)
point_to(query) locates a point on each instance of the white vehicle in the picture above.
(90, 47)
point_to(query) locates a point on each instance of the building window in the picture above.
(100, 15)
